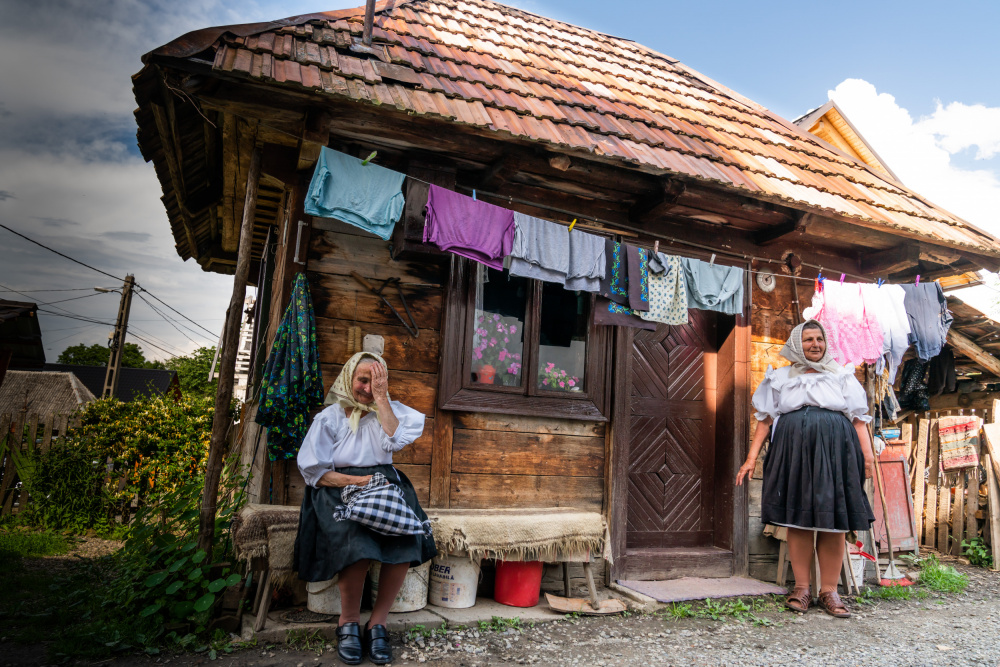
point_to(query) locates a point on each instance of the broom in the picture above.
(892, 576)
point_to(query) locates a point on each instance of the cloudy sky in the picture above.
(919, 83)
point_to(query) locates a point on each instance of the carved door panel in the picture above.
(672, 436)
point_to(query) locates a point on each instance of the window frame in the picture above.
(456, 391)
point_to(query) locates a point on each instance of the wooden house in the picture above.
(560, 122)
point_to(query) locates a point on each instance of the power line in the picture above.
(74, 316)
(213, 335)
(168, 320)
(72, 289)
(42, 245)
(151, 344)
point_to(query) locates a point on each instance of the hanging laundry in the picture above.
(610, 313)
(614, 284)
(959, 441)
(540, 250)
(364, 195)
(667, 291)
(467, 227)
(941, 375)
(886, 301)
(854, 335)
(586, 262)
(930, 319)
(913, 389)
(713, 286)
(638, 278)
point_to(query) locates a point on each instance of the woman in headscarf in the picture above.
(820, 455)
(348, 442)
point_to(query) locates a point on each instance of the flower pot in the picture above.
(486, 374)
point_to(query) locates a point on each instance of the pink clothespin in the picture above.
(842, 276)
(656, 247)
(918, 280)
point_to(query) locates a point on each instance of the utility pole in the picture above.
(118, 339)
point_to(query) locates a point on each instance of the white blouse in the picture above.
(779, 394)
(330, 444)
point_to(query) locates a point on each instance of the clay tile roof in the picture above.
(555, 83)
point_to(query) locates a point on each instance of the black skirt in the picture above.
(324, 546)
(814, 473)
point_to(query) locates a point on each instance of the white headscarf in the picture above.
(793, 352)
(342, 392)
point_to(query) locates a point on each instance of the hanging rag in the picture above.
(713, 286)
(586, 262)
(913, 389)
(959, 441)
(886, 301)
(667, 291)
(638, 278)
(541, 249)
(854, 335)
(614, 284)
(293, 381)
(364, 195)
(342, 393)
(941, 374)
(610, 313)
(930, 319)
(468, 227)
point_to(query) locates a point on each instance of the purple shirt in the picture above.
(467, 227)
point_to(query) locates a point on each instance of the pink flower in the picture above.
(572, 383)
(503, 355)
(518, 357)
(506, 340)
(561, 383)
(513, 328)
(493, 341)
(482, 318)
(564, 374)
(545, 381)
(477, 353)
(549, 367)
(496, 317)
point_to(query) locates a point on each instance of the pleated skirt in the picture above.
(814, 473)
(324, 546)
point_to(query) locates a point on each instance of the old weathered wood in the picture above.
(417, 390)
(620, 435)
(339, 254)
(46, 433)
(340, 296)
(485, 491)
(402, 351)
(486, 421)
(977, 354)
(419, 451)
(958, 517)
(441, 453)
(222, 419)
(420, 477)
(992, 443)
(943, 517)
(993, 493)
(919, 465)
(933, 482)
(498, 452)
(683, 562)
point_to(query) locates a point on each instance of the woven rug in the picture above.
(520, 533)
(267, 531)
(696, 588)
(959, 438)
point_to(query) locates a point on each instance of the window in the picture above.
(522, 347)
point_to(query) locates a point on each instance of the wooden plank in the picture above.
(917, 476)
(417, 390)
(46, 433)
(440, 485)
(419, 451)
(993, 493)
(7, 484)
(507, 453)
(485, 491)
(340, 254)
(958, 517)
(32, 433)
(420, 477)
(620, 434)
(652, 564)
(402, 351)
(992, 442)
(485, 421)
(341, 296)
(943, 518)
(982, 358)
(930, 506)
(971, 505)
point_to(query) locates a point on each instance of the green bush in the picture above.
(29, 544)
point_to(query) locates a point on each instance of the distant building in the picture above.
(20, 337)
(132, 382)
(42, 393)
(243, 352)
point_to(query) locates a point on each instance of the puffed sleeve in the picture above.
(857, 399)
(411, 425)
(316, 454)
(765, 399)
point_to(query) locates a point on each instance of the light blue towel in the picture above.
(364, 195)
(713, 286)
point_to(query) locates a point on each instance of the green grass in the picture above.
(30, 544)
(941, 578)
(718, 610)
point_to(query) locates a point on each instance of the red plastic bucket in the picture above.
(518, 584)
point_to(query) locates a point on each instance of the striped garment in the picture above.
(959, 438)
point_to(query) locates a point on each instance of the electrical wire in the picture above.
(213, 335)
(42, 245)
(72, 289)
(167, 319)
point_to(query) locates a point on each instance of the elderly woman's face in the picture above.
(361, 384)
(813, 344)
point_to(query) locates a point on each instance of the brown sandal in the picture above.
(799, 600)
(830, 603)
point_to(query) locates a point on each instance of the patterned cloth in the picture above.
(959, 438)
(638, 278)
(293, 381)
(912, 389)
(667, 292)
(854, 335)
(380, 506)
(614, 284)
(609, 313)
(342, 392)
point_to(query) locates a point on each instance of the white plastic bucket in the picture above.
(323, 596)
(454, 581)
(858, 565)
(413, 595)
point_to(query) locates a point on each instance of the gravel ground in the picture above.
(939, 629)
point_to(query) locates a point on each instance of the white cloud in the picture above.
(920, 150)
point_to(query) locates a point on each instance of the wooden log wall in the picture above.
(462, 460)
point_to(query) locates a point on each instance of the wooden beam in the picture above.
(983, 358)
(891, 260)
(659, 201)
(795, 228)
(168, 144)
(314, 138)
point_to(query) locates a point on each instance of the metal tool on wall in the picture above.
(411, 326)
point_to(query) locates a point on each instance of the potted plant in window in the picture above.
(557, 379)
(496, 348)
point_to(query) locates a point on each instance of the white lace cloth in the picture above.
(854, 334)
(780, 394)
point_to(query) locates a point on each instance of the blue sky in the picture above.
(918, 78)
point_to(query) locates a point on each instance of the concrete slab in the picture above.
(485, 609)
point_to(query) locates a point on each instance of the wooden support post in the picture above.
(943, 517)
(919, 465)
(265, 603)
(222, 420)
(993, 492)
(440, 491)
(567, 589)
(974, 352)
(958, 517)
(930, 508)
(971, 505)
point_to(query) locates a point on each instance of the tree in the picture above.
(192, 372)
(97, 355)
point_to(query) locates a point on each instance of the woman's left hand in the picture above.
(380, 383)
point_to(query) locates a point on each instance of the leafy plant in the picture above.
(97, 355)
(304, 640)
(977, 552)
(557, 379)
(942, 578)
(679, 610)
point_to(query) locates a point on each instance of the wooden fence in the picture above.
(20, 434)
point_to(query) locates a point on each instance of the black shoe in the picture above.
(377, 643)
(349, 644)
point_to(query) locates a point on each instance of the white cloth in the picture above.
(330, 444)
(779, 394)
(667, 292)
(887, 302)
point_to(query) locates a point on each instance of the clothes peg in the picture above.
(879, 282)
(712, 261)
(820, 276)
(918, 280)
(842, 276)
(474, 195)
(656, 247)
(572, 224)
(370, 157)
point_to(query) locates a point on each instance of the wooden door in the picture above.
(671, 447)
